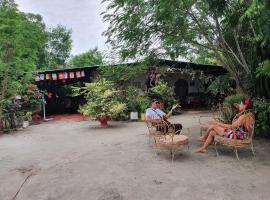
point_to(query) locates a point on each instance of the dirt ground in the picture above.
(79, 161)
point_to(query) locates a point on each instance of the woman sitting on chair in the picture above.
(242, 124)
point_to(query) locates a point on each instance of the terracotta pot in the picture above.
(36, 116)
(103, 121)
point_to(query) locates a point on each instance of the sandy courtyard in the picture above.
(78, 161)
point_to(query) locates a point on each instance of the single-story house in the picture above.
(185, 77)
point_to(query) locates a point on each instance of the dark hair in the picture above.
(153, 100)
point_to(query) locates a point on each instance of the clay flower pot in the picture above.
(103, 121)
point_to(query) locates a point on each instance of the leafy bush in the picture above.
(143, 103)
(226, 113)
(163, 92)
(135, 99)
(131, 92)
(221, 85)
(263, 69)
(102, 99)
(230, 100)
(28, 116)
(262, 115)
(122, 73)
(227, 110)
(31, 99)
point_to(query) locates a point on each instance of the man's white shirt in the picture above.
(154, 113)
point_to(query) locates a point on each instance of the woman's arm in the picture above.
(234, 125)
(218, 123)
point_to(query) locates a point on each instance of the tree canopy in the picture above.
(89, 58)
(22, 37)
(59, 45)
(235, 33)
(25, 46)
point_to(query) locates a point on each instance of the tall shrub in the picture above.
(102, 99)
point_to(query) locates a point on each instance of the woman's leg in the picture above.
(208, 141)
(205, 135)
(215, 131)
(216, 128)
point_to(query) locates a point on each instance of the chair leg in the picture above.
(236, 153)
(172, 154)
(149, 139)
(155, 147)
(156, 152)
(252, 149)
(215, 145)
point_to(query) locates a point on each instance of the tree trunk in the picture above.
(239, 85)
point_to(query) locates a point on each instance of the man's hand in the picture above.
(174, 106)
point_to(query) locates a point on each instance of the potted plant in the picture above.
(103, 102)
(26, 119)
(31, 100)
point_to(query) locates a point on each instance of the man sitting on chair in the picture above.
(155, 115)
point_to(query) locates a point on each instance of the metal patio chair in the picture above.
(169, 141)
(237, 143)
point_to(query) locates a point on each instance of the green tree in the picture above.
(186, 28)
(258, 16)
(122, 74)
(59, 46)
(11, 4)
(89, 58)
(22, 36)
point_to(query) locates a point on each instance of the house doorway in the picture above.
(181, 89)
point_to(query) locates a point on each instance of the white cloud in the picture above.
(82, 16)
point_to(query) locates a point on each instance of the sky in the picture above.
(82, 16)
